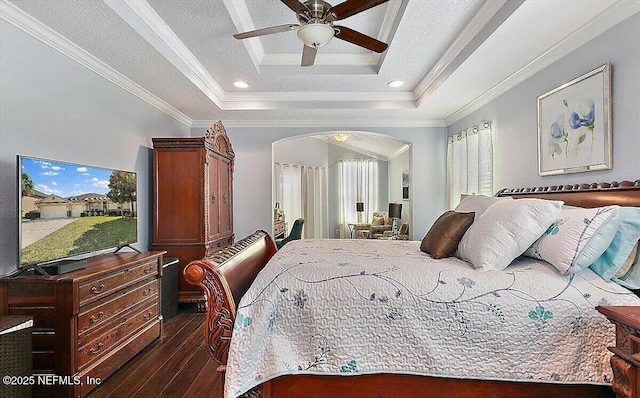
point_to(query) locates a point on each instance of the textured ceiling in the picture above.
(451, 54)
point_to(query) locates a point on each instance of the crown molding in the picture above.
(593, 28)
(333, 123)
(25, 22)
(490, 16)
(148, 24)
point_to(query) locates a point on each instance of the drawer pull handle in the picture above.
(147, 270)
(96, 349)
(93, 319)
(124, 319)
(147, 292)
(225, 198)
(97, 290)
(148, 316)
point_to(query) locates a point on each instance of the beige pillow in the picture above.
(377, 221)
(627, 264)
(445, 234)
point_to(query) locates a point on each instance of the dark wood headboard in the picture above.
(625, 193)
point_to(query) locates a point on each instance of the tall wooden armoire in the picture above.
(193, 200)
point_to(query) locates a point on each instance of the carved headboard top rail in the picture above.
(625, 193)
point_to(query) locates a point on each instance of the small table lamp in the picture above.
(395, 213)
(359, 210)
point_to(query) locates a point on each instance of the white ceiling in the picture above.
(180, 56)
(376, 145)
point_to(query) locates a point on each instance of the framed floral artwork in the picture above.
(574, 125)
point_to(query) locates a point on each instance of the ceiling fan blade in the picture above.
(352, 7)
(296, 6)
(360, 39)
(308, 55)
(265, 31)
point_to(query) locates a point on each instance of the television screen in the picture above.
(67, 210)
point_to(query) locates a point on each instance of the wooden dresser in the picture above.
(193, 200)
(625, 362)
(89, 322)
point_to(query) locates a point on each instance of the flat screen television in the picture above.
(72, 211)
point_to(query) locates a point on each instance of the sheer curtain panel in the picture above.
(358, 183)
(470, 163)
(302, 193)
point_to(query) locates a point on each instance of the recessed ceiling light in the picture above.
(395, 83)
(241, 84)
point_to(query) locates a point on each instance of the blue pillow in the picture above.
(623, 242)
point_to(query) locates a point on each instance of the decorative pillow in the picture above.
(577, 238)
(505, 230)
(478, 203)
(627, 264)
(631, 279)
(445, 234)
(377, 221)
(623, 242)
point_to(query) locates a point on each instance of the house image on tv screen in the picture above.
(88, 204)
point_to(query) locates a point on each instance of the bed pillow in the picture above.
(445, 234)
(627, 264)
(505, 230)
(478, 204)
(631, 279)
(577, 238)
(377, 221)
(625, 239)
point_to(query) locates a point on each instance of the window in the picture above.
(470, 163)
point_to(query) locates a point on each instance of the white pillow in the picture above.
(577, 238)
(478, 203)
(505, 230)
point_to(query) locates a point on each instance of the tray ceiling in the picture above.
(180, 55)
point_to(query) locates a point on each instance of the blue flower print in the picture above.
(464, 281)
(588, 109)
(300, 299)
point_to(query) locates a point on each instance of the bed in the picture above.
(363, 352)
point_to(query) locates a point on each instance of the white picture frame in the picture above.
(574, 125)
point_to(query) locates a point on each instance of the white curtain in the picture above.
(358, 183)
(302, 193)
(470, 163)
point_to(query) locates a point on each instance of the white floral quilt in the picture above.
(348, 307)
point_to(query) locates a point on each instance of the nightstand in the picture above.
(626, 361)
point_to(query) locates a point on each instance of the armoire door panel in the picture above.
(178, 180)
(214, 197)
(226, 205)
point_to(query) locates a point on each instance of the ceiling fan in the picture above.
(316, 26)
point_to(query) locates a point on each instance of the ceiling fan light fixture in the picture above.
(316, 34)
(395, 83)
(241, 84)
(341, 137)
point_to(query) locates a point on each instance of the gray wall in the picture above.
(51, 107)
(514, 113)
(396, 166)
(252, 177)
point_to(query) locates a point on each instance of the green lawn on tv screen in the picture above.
(83, 235)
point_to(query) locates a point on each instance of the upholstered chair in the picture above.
(295, 234)
(379, 225)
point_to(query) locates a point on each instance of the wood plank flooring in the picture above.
(177, 365)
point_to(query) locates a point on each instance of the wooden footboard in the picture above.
(225, 278)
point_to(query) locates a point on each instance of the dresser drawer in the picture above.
(104, 310)
(92, 290)
(105, 342)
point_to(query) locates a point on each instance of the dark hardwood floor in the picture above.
(176, 365)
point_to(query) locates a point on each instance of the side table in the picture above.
(15, 353)
(625, 362)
